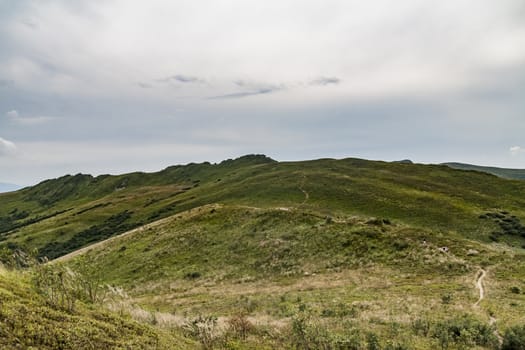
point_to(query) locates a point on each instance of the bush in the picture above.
(515, 290)
(466, 331)
(240, 325)
(57, 284)
(446, 298)
(204, 329)
(17, 258)
(421, 326)
(192, 275)
(62, 287)
(514, 338)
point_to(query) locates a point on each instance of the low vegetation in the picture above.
(255, 254)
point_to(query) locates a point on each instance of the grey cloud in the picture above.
(4, 83)
(244, 94)
(252, 89)
(144, 85)
(30, 24)
(15, 117)
(6, 147)
(323, 81)
(181, 78)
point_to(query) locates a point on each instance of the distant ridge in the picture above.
(6, 187)
(517, 174)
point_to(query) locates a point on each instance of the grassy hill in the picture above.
(28, 321)
(518, 174)
(345, 278)
(62, 215)
(251, 253)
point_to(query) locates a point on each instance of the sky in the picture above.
(113, 86)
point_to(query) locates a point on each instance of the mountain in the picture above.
(5, 187)
(251, 253)
(518, 174)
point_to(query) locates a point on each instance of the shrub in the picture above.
(372, 341)
(204, 329)
(57, 284)
(400, 244)
(15, 257)
(515, 290)
(421, 326)
(62, 287)
(514, 338)
(240, 325)
(446, 298)
(192, 275)
(466, 331)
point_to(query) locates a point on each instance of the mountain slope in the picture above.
(274, 264)
(316, 254)
(27, 321)
(518, 174)
(62, 215)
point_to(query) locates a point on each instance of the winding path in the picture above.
(479, 284)
(492, 320)
(306, 194)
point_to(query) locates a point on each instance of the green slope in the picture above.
(316, 254)
(27, 321)
(517, 174)
(279, 264)
(59, 216)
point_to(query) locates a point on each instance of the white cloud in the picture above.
(515, 150)
(376, 47)
(15, 117)
(7, 148)
(12, 114)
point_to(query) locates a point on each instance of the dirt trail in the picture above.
(479, 284)
(153, 224)
(306, 194)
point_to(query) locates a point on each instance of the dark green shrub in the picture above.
(514, 338)
(421, 327)
(192, 275)
(372, 341)
(466, 331)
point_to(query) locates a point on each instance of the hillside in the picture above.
(518, 174)
(280, 265)
(257, 254)
(59, 216)
(28, 321)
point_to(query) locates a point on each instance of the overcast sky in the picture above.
(111, 86)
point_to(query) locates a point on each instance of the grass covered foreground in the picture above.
(300, 279)
(30, 319)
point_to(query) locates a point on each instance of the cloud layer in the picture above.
(7, 148)
(432, 81)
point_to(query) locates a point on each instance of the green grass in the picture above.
(274, 265)
(62, 212)
(318, 251)
(27, 321)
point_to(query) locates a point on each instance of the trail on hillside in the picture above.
(479, 284)
(83, 250)
(306, 194)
